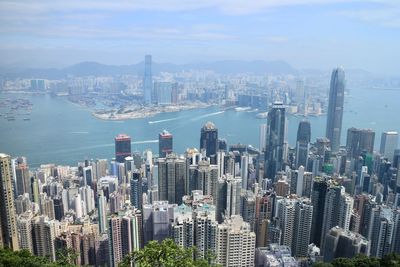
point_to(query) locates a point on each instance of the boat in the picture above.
(242, 108)
(262, 115)
(11, 119)
(27, 119)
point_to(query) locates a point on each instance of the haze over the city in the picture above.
(314, 34)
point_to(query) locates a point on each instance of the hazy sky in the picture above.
(306, 33)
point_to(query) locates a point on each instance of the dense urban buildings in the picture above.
(280, 205)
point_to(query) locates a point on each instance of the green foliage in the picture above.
(164, 254)
(391, 260)
(24, 258)
(66, 256)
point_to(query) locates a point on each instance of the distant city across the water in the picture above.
(63, 133)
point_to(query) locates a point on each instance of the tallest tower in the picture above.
(335, 108)
(147, 80)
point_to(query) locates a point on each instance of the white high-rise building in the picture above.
(24, 227)
(389, 142)
(337, 210)
(302, 227)
(381, 229)
(183, 226)
(87, 197)
(102, 212)
(263, 136)
(300, 181)
(286, 214)
(235, 245)
(124, 233)
(244, 170)
(233, 190)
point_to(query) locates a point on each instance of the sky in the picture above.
(317, 34)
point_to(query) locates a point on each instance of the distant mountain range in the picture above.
(97, 69)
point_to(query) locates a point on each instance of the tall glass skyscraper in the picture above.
(275, 140)
(122, 147)
(209, 140)
(147, 80)
(335, 108)
(164, 143)
(302, 144)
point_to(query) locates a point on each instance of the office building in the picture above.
(274, 150)
(389, 143)
(359, 141)
(209, 141)
(165, 144)
(335, 108)
(147, 81)
(318, 195)
(303, 143)
(122, 147)
(136, 194)
(8, 218)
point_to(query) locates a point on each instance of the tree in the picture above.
(23, 258)
(164, 254)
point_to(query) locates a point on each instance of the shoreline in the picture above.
(145, 112)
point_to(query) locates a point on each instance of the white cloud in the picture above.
(387, 17)
(276, 39)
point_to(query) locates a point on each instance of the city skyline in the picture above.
(244, 151)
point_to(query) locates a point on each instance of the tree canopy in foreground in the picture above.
(165, 254)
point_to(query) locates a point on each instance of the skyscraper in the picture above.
(235, 245)
(124, 233)
(122, 147)
(335, 108)
(171, 178)
(147, 80)
(337, 210)
(22, 179)
(303, 143)
(136, 190)
(165, 143)
(263, 136)
(209, 141)
(318, 195)
(389, 142)
(274, 150)
(8, 218)
(358, 141)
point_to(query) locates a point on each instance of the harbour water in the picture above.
(63, 133)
